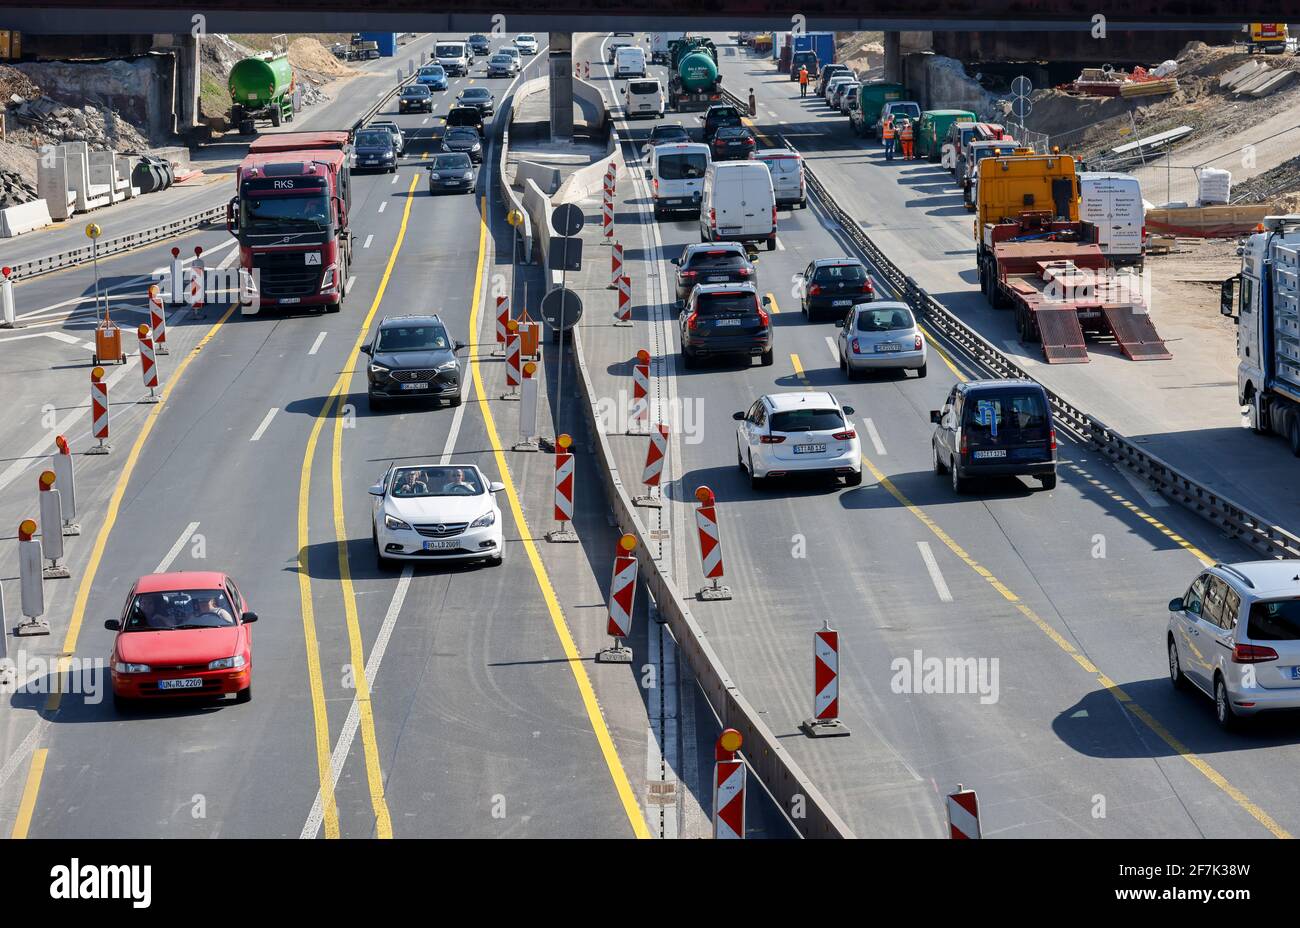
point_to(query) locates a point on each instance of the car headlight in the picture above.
(483, 521)
(122, 667)
(434, 175)
(447, 366)
(476, 147)
(378, 369)
(469, 175)
(227, 663)
(395, 524)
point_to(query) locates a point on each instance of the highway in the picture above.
(431, 702)
(1066, 590)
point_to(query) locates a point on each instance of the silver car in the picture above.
(1235, 635)
(881, 336)
(845, 94)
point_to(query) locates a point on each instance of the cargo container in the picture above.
(387, 42)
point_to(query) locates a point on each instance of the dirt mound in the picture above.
(309, 54)
(15, 83)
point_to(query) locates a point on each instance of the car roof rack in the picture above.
(1236, 573)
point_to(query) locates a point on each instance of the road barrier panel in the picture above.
(607, 219)
(528, 410)
(158, 320)
(728, 787)
(825, 721)
(178, 278)
(706, 521)
(32, 582)
(654, 469)
(503, 320)
(963, 814)
(148, 364)
(564, 469)
(638, 422)
(198, 283)
(7, 317)
(51, 510)
(622, 600)
(623, 314)
(99, 412)
(65, 478)
(615, 265)
(514, 374)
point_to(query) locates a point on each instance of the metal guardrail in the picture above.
(1248, 527)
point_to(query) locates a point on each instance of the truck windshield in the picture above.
(449, 51)
(284, 213)
(683, 167)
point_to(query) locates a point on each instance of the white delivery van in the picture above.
(738, 203)
(788, 182)
(676, 175)
(643, 97)
(453, 56)
(1113, 203)
(629, 62)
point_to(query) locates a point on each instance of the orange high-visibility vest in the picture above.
(803, 75)
(887, 130)
(906, 133)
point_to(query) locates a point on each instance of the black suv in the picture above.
(478, 97)
(479, 44)
(412, 357)
(470, 116)
(833, 286)
(995, 428)
(712, 263)
(725, 319)
(718, 116)
(732, 143)
(415, 98)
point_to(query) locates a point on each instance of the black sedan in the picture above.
(478, 97)
(374, 150)
(415, 98)
(732, 143)
(479, 44)
(464, 141)
(451, 172)
(665, 134)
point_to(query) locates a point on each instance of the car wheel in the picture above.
(844, 364)
(688, 359)
(766, 358)
(245, 695)
(771, 243)
(122, 704)
(1048, 482)
(937, 461)
(333, 307)
(454, 401)
(376, 404)
(959, 482)
(920, 371)
(755, 482)
(1223, 713)
(854, 479)
(1175, 669)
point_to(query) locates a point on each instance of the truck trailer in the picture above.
(261, 87)
(694, 82)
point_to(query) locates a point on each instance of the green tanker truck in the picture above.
(261, 88)
(693, 80)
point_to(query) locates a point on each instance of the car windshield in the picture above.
(433, 72)
(1006, 417)
(427, 337)
(733, 133)
(1274, 620)
(525, 38)
(884, 320)
(669, 134)
(839, 273)
(456, 162)
(449, 51)
(414, 482)
(725, 304)
(807, 420)
(722, 114)
(912, 112)
(475, 93)
(461, 135)
(683, 167)
(463, 116)
(715, 259)
(982, 153)
(416, 90)
(781, 165)
(501, 58)
(478, 39)
(374, 139)
(280, 213)
(176, 610)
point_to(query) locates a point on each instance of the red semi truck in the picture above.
(290, 217)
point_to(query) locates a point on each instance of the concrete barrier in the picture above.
(510, 198)
(15, 220)
(52, 183)
(547, 178)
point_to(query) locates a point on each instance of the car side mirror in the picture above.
(496, 487)
(767, 301)
(377, 490)
(936, 416)
(648, 175)
(248, 617)
(113, 625)
(848, 410)
(1176, 605)
(839, 323)
(366, 349)
(738, 416)
(458, 346)
(676, 261)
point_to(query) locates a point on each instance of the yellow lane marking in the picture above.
(55, 698)
(798, 368)
(332, 407)
(574, 657)
(27, 806)
(772, 299)
(1155, 727)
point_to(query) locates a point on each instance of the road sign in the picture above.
(1021, 88)
(567, 219)
(566, 254)
(562, 299)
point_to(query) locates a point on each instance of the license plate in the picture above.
(997, 453)
(440, 545)
(843, 303)
(889, 347)
(809, 449)
(1295, 673)
(290, 299)
(643, 106)
(415, 386)
(453, 183)
(727, 322)
(188, 683)
(725, 229)
(718, 279)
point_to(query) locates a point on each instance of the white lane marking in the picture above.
(835, 350)
(780, 246)
(1153, 499)
(369, 238)
(383, 206)
(874, 436)
(312, 827)
(175, 549)
(315, 346)
(265, 422)
(63, 337)
(394, 180)
(351, 281)
(940, 585)
(424, 121)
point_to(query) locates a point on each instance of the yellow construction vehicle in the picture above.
(1268, 38)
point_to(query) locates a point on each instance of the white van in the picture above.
(629, 62)
(453, 56)
(676, 174)
(643, 97)
(1113, 203)
(788, 182)
(738, 203)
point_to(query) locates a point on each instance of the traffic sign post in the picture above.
(622, 601)
(178, 278)
(728, 787)
(158, 320)
(639, 413)
(706, 522)
(963, 814)
(32, 583)
(564, 468)
(654, 469)
(148, 364)
(826, 686)
(93, 232)
(514, 373)
(528, 410)
(99, 412)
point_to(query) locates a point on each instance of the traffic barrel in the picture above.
(148, 364)
(503, 319)
(514, 375)
(615, 265)
(622, 599)
(564, 468)
(198, 280)
(7, 317)
(51, 509)
(177, 278)
(623, 315)
(654, 467)
(32, 582)
(639, 412)
(826, 685)
(706, 522)
(66, 479)
(728, 787)
(158, 319)
(963, 814)
(99, 412)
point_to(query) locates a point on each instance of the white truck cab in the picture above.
(453, 56)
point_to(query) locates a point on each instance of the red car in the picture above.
(182, 634)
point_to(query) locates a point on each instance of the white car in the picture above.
(434, 512)
(805, 432)
(527, 44)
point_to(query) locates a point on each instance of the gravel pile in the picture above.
(15, 189)
(42, 121)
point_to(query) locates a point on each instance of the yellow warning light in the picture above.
(143, 331)
(47, 479)
(730, 740)
(627, 542)
(93, 230)
(26, 529)
(513, 325)
(529, 369)
(97, 374)
(564, 441)
(704, 495)
(643, 356)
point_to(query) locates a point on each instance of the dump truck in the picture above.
(261, 87)
(1267, 312)
(290, 217)
(1267, 38)
(694, 82)
(1037, 257)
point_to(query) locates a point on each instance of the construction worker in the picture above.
(803, 80)
(887, 134)
(906, 135)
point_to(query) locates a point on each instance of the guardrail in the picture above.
(1234, 519)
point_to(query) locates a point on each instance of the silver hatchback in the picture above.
(1235, 635)
(881, 336)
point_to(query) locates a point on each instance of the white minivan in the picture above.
(1113, 203)
(629, 62)
(676, 174)
(453, 56)
(788, 182)
(643, 97)
(738, 203)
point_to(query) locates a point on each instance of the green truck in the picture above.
(872, 96)
(261, 87)
(933, 131)
(693, 79)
